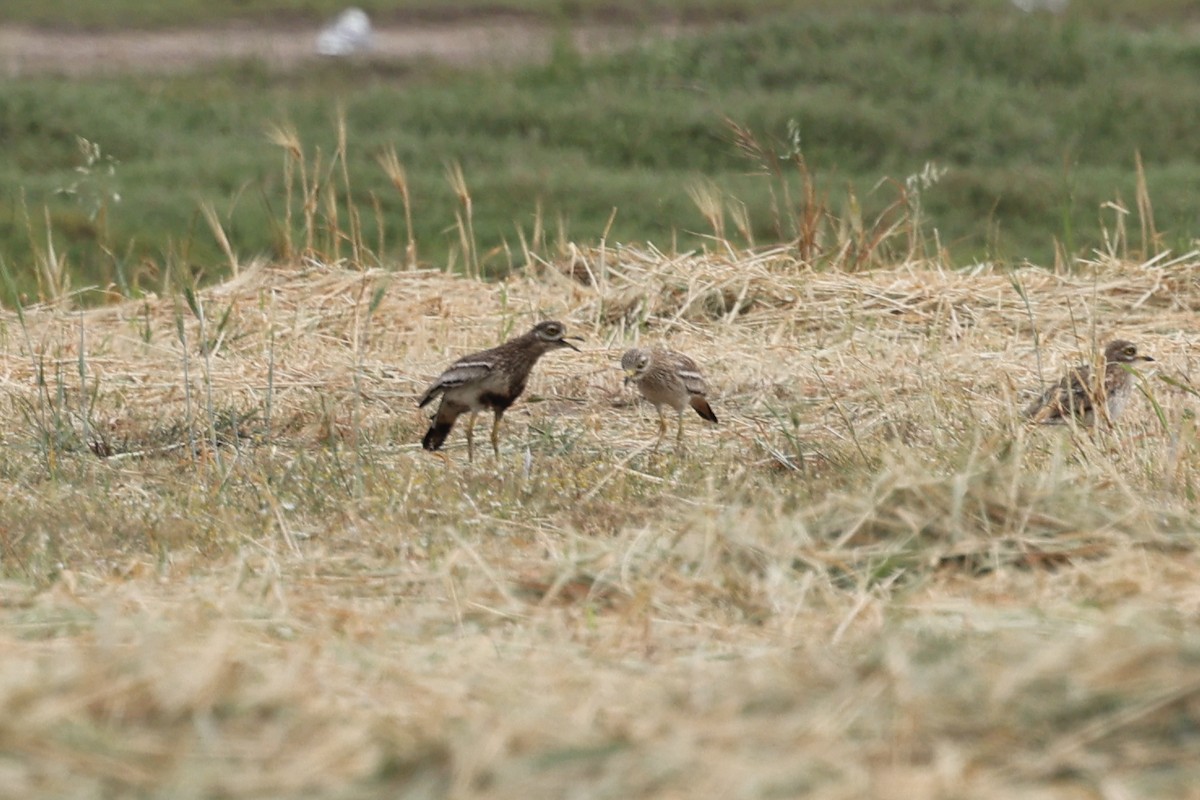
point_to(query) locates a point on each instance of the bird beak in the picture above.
(1145, 358)
(568, 344)
(629, 373)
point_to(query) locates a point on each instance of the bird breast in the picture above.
(1118, 398)
(664, 388)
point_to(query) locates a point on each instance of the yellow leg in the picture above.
(496, 435)
(470, 438)
(662, 428)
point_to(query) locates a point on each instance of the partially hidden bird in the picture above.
(1079, 393)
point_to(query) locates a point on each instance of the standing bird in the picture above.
(492, 379)
(1078, 394)
(665, 377)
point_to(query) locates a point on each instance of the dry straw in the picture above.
(870, 580)
(767, 326)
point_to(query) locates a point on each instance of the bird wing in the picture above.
(689, 373)
(693, 382)
(1071, 396)
(467, 369)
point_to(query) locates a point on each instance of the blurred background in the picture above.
(477, 131)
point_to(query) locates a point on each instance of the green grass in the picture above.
(1037, 121)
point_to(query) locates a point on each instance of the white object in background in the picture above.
(349, 33)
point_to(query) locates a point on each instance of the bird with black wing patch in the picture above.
(489, 380)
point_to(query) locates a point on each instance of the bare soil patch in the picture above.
(463, 42)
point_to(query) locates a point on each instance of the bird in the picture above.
(665, 377)
(489, 380)
(1078, 394)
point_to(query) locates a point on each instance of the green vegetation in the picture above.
(1036, 120)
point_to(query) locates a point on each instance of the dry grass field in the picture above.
(230, 571)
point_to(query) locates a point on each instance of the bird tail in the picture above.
(703, 408)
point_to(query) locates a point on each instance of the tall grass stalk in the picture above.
(1152, 243)
(41, 408)
(185, 355)
(464, 218)
(195, 302)
(288, 141)
(85, 398)
(357, 249)
(819, 236)
(398, 177)
(218, 232)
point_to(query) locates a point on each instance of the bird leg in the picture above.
(496, 434)
(470, 437)
(679, 433)
(662, 428)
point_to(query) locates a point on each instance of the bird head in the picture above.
(552, 334)
(1120, 351)
(635, 362)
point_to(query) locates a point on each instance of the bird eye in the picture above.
(1131, 351)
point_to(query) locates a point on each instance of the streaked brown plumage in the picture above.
(665, 377)
(492, 379)
(1078, 394)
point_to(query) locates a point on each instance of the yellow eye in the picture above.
(1131, 351)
